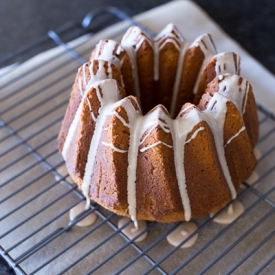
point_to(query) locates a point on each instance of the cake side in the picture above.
(88, 73)
(157, 193)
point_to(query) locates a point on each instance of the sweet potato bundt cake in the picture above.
(185, 157)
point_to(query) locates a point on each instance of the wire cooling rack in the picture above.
(36, 235)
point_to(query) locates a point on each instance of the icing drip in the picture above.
(225, 64)
(131, 231)
(131, 42)
(182, 127)
(195, 134)
(138, 127)
(72, 129)
(135, 120)
(99, 75)
(229, 86)
(77, 210)
(242, 129)
(109, 50)
(132, 167)
(216, 113)
(120, 118)
(257, 153)
(205, 43)
(153, 124)
(185, 109)
(113, 147)
(230, 214)
(155, 144)
(183, 232)
(169, 34)
(134, 117)
(246, 96)
(90, 109)
(252, 178)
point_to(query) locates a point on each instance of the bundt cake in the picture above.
(160, 166)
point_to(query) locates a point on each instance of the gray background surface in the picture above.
(249, 22)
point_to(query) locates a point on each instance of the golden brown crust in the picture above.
(250, 118)
(192, 63)
(201, 162)
(145, 65)
(242, 163)
(109, 180)
(168, 62)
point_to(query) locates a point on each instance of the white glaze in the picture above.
(132, 230)
(229, 87)
(216, 113)
(194, 135)
(257, 153)
(90, 109)
(120, 118)
(155, 144)
(113, 147)
(108, 52)
(100, 74)
(225, 63)
(252, 178)
(78, 209)
(230, 214)
(242, 129)
(183, 232)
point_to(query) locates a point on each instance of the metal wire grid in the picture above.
(35, 232)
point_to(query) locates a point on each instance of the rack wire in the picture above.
(36, 235)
